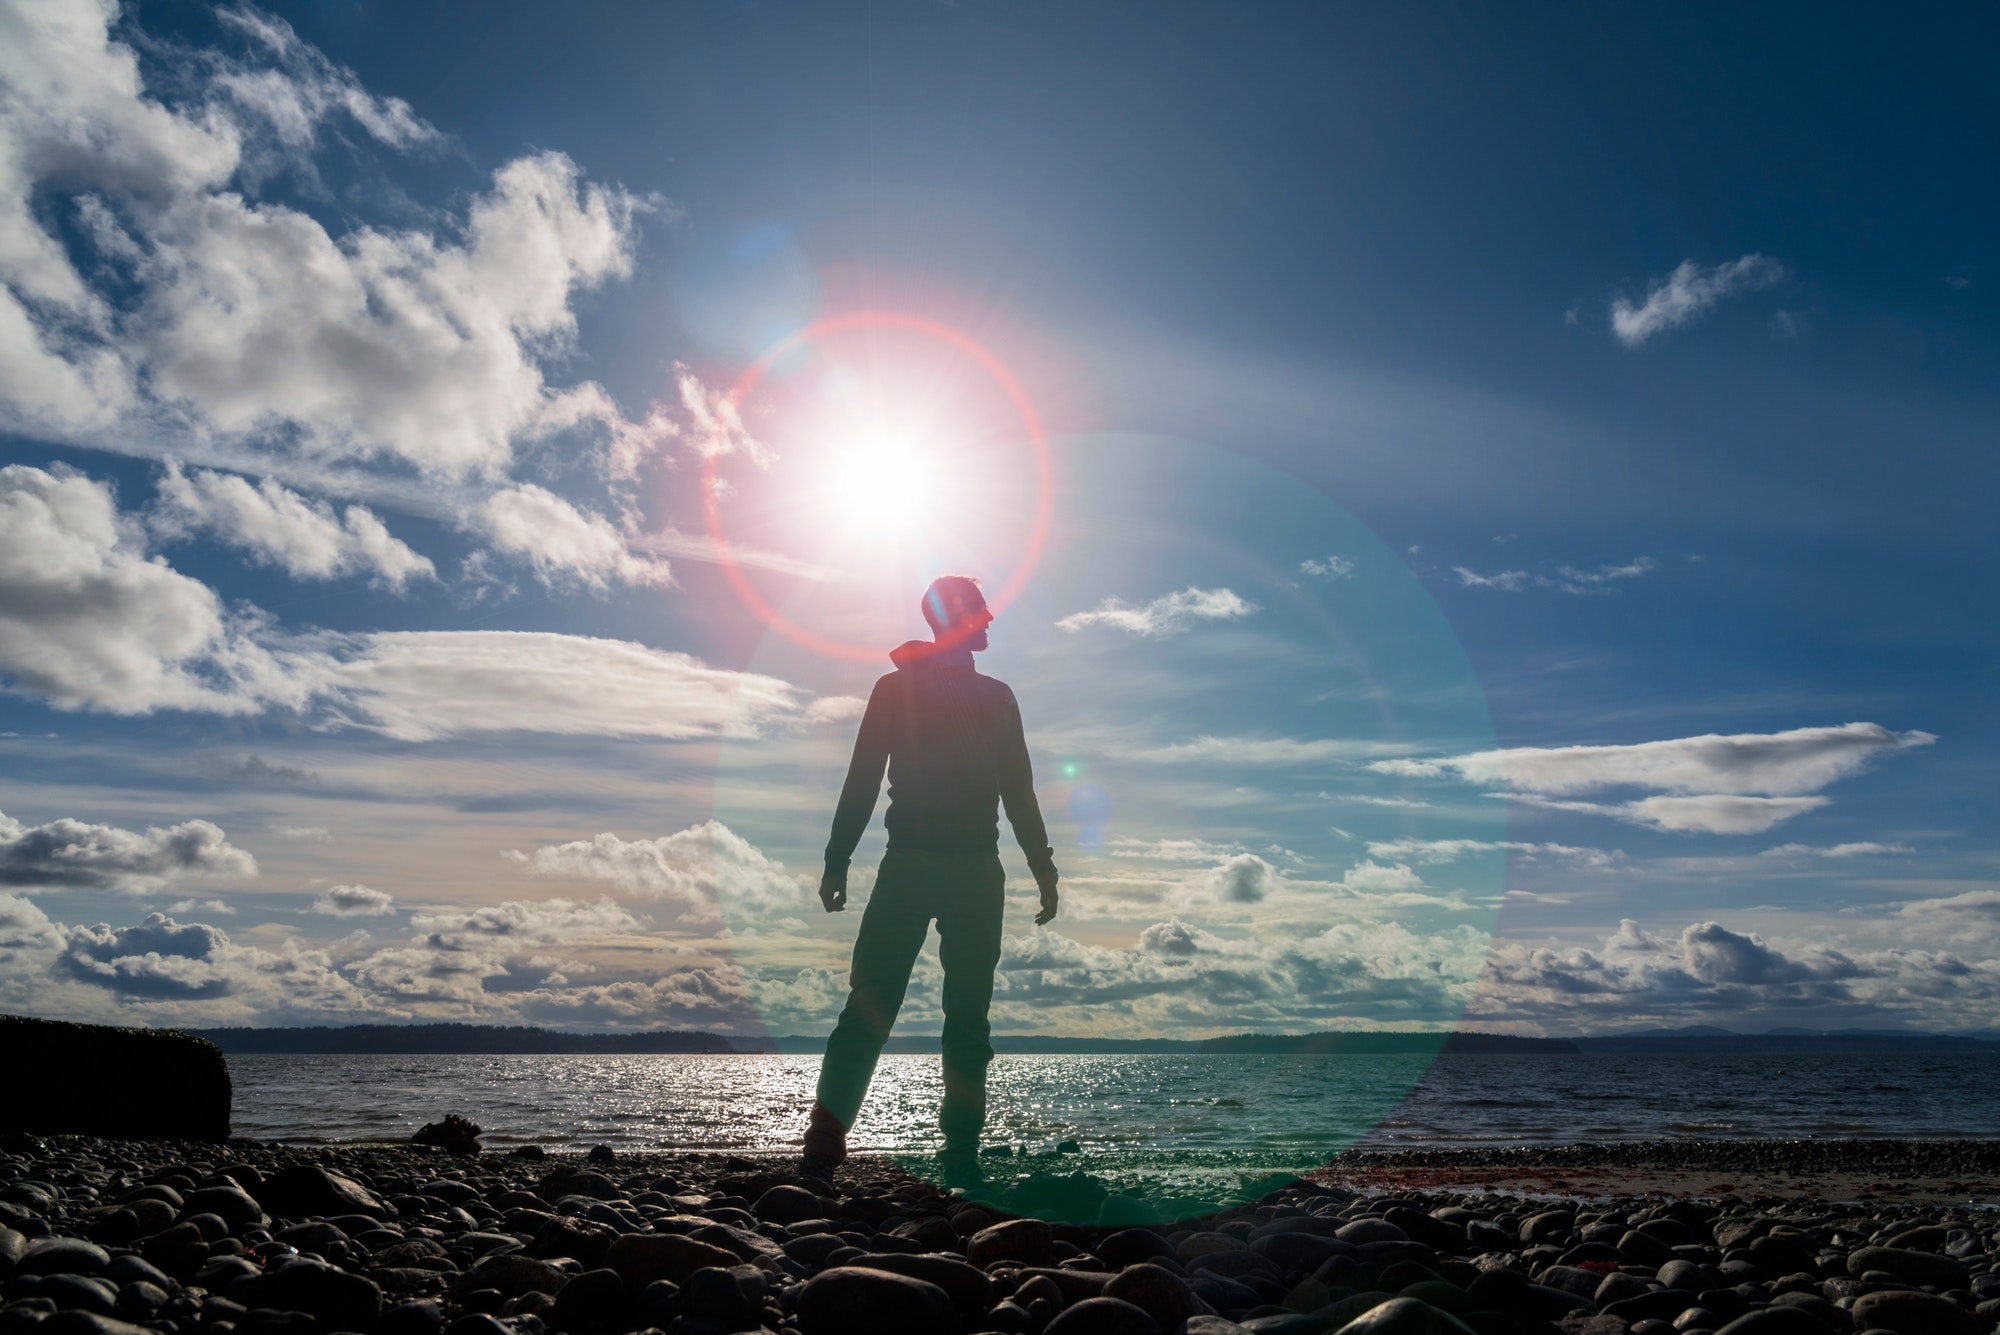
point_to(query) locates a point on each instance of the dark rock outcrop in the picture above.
(101, 1080)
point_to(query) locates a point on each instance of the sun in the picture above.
(880, 484)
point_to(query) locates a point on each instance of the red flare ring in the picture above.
(1017, 578)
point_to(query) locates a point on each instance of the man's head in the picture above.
(957, 613)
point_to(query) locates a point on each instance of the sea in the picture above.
(1180, 1122)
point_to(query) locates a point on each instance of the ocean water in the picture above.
(1157, 1116)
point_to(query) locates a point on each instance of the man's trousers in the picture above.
(964, 893)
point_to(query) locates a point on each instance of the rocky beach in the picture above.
(112, 1237)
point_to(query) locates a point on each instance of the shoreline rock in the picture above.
(102, 1080)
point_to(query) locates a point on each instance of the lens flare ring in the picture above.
(712, 486)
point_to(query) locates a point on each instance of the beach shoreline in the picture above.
(254, 1237)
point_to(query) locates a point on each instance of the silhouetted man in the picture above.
(951, 740)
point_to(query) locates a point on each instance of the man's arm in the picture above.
(1024, 813)
(857, 797)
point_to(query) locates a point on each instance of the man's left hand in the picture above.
(1050, 901)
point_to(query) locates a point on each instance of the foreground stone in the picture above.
(103, 1237)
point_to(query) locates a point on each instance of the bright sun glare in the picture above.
(881, 484)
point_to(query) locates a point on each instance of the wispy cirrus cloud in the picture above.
(1564, 579)
(1170, 614)
(1687, 294)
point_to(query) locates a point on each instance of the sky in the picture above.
(1487, 507)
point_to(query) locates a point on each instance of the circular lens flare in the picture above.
(880, 481)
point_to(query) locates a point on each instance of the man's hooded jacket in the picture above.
(952, 743)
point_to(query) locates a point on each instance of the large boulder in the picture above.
(307, 1191)
(853, 1300)
(101, 1080)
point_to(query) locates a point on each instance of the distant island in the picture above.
(475, 1039)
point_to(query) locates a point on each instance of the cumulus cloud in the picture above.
(87, 622)
(1689, 293)
(705, 868)
(1180, 978)
(1243, 879)
(354, 901)
(1373, 878)
(1333, 567)
(278, 526)
(1709, 971)
(70, 854)
(562, 542)
(194, 313)
(157, 958)
(1170, 614)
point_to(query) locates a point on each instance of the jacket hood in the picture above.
(916, 653)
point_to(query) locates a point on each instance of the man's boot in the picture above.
(959, 1166)
(825, 1144)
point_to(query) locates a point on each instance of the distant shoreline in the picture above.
(494, 1040)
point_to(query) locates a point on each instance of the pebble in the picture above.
(114, 1238)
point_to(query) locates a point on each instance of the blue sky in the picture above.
(1515, 505)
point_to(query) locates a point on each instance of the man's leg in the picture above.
(969, 912)
(885, 949)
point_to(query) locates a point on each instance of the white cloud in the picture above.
(1512, 581)
(421, 685)
(1746, 783)
(196, 317)
(87, 622)
(1373, 878)
(1569, 579)
(1170, 614)
(298, 98)
(1701, 813)
(1437, 851)
(1275, 751)
(1566, 579)
(1243, 879)
(1184, 850)
(70, 854)
(1801, 760)
(1854, 850)
(563, 542)
(717, 425)
(201, 906)
(302, 537)
(1687, 294)
(705, 868)
(1333, 567)
(317, 834)
(354, 901)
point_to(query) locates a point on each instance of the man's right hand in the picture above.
(833, 892)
